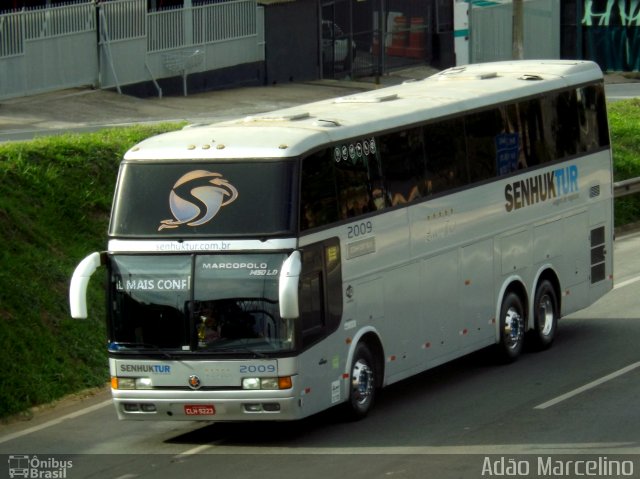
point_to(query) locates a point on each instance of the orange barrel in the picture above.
(399, 37)
(417, 34)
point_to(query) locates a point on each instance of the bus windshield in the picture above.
(197, 303)
(190, 199)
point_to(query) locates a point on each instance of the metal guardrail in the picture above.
(626, 187)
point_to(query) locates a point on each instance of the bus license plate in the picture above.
(199, 410)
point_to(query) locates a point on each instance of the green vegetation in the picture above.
(55, 197)
(624, 121)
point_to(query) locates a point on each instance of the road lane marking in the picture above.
(586, 387)
(630, 447)
(195, 450)
(626, 282)
(54, 422)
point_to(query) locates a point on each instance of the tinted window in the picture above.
(212, 199)
(320, 290)
(564, 109)
(483, 130)
(441, 156)
(318, 194)
(594, 131)
(212, 303)
(358, 180)
(403, 165)
(446, 156)
(535, 134)
(236, 302)
(341, 182)
(149, 299)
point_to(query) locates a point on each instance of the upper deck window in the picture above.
(392, 168)
(241, 199)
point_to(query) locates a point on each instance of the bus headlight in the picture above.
(283, 382)
(123, 383)
(144, 383)
(251, 383)
(269, 383)
(131, 383)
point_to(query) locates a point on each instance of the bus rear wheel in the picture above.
(546, 314)
(512, 326)
(362, 383)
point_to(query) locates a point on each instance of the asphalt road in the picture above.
(622, 91)
(83, 110)
(466, 419)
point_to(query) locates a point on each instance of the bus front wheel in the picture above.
(512, 326)
(362, 383)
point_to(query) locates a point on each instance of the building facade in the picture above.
(155, 47)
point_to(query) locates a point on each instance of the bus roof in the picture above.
(293, 131)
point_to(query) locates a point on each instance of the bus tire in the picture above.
(362, 383)
(512, 326)
(545, 316)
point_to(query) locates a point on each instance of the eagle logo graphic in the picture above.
(197, 197)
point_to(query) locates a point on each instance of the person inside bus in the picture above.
(209, 330)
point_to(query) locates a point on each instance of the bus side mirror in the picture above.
(79, 283)
(288, 290)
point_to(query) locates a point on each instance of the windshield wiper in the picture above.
(118, 346)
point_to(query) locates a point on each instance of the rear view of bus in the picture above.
(272, 267)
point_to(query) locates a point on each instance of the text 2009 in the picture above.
(359, 229)
(260, 368)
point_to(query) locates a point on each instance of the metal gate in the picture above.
(45, 49)
(121, 42)
(491, 30)
(358, 41)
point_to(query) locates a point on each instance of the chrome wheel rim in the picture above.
(513, 328)
(546, 315)
(361, 382)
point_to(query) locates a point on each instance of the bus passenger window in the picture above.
(402, 158)
(590, 105)
(358, 180)
(446, 157)
(567, 124)
(509, 150)
(319, 203)
(482, 130)
(535, 148)
(600, 106)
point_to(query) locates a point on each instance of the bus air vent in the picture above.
(531, 77)
(367, 98)
(594, 191)
(326, 123)
(487, 75)
(462, 73)
(598, 255)
(293, 116)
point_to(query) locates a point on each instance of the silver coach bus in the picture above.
(271, 267)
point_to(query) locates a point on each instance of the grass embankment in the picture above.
(55, 197)
(624, 121)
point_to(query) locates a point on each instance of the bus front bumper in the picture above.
(156, 407)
